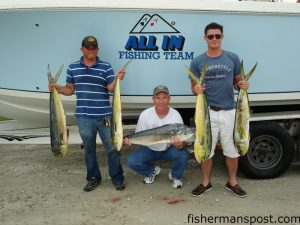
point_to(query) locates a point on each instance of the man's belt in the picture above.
(215, 108)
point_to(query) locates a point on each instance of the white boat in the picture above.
(161, 36)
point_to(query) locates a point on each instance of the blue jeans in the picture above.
(141, 160)
(88, 128)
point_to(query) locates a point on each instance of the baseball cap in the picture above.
(160, 88)
(89, 41)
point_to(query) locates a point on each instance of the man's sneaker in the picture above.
(91, 184)
(175, 182)
(150, 179)
(236, 189)
(120, 187)
(200, 189)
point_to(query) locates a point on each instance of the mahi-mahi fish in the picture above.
(58, 129)
(117, 127)
(162, 134)
(241, 135)
(202, 144)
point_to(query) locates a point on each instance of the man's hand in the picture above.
(52, 86)
(126, 141)
(121, 74)
(177, 142)
(198, 88)
(242, 84)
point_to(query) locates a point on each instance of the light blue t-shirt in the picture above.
(219, 78)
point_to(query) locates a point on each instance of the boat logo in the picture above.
(153, 24)
(153, 37)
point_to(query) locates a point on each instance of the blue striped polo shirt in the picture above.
(91, 87)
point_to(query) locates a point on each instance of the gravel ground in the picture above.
(38, 188)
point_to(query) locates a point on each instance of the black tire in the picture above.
(270, 151)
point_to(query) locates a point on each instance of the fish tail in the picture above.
(50, 78)
(251, 72)
(242, 71)
(192, 75)
(54, 79)
(126, 65)
(203, 72)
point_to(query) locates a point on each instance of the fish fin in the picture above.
(50, 78)
(192, 75)
(55, 79)
(251, 72)
(68, 133)
(126, 65)
(250, 112)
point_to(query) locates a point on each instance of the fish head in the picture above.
(186, 133)
(242, 146)
(118, 140)
(60, 150)
(63, 150)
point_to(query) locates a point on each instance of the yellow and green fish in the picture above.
(58, 128)
(203, 140)
(241, 134)
(117, 127)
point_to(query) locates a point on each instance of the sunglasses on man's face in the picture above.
(212, 36)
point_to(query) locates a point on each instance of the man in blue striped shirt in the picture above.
(91, 80)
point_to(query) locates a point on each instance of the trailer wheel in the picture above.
(270, 151)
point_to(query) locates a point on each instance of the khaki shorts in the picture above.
(222, 125)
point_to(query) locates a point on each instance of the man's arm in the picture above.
(139, 127)
(120, 74)
(237, 78)
(67, 90)
(177, 142)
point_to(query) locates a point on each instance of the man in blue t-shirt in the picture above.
(222, 77)
(91, 80)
